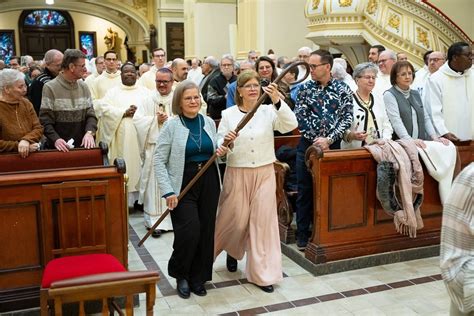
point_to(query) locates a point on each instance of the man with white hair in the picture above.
(387, 59)
(210, 69)
(143, 68)
(303, 55)
(195, 73)
(252, 56)
(435, 61)
(52, 61)
(339, 72)
(218, 87)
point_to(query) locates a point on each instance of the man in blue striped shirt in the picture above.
(324, 113)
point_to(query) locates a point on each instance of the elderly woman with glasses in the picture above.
(405, 109)
(370, 117)
(185, 144)
(20, 129)
(247, 221)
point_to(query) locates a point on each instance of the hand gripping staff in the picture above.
(241, 125)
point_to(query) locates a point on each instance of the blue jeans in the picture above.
(304, 200)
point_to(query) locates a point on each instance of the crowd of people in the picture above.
(162, 120)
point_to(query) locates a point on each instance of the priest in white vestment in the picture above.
(147, 80)
(449, 95)
(109, 78)
(149, 120)
(115, 114)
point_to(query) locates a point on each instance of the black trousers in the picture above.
(193, 223)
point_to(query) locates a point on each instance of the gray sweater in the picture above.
(170, 153)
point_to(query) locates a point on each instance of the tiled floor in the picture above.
(406, 288)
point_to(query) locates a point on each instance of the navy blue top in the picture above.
(199, 146)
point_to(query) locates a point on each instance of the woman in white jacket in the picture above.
(370, 117)
(247, 219)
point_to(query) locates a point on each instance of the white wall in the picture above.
(212, 24)
(460, 11)
(284, 27)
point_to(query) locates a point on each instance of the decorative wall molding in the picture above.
(401, 25)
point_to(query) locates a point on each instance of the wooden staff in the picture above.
(241, 125)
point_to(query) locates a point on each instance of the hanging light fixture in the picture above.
(50, 2)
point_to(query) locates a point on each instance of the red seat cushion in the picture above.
(77, 266)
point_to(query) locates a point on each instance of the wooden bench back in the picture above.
(53, 159)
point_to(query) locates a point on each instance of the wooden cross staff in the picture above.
(241, 125)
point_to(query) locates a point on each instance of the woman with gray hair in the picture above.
(370, 116)
(185, 144)
(20, 129)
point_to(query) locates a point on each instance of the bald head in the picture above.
(435, 60)
(386, 60)
(180, 69)
(52, 60)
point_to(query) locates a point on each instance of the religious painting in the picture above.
(88, 44)
(45, 18)
(7, 45)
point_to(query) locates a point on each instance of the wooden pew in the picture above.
(284, 208)
(31, 230)
(348, 219)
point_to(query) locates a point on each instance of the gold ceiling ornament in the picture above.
(345, 3)
(422, 37)
(394, 21)
(372, 6)
(316, 4)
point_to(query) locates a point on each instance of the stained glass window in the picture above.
(45, 18)
(7, 45)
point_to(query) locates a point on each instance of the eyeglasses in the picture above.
(313, 66)
(368, 77)
(165, 82)
(382, 61)
(189, 99)
(226, 65)
(435, 60)
(251, 86)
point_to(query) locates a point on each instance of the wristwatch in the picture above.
(90, 133)
(330, 140)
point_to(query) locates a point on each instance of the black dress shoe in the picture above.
(199, 290)
(231, 263)
(156, 233)
(266, 288)
(183, 288)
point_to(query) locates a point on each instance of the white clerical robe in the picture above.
(147, 80)
(119, 132)
(105, 82)
(148, 130)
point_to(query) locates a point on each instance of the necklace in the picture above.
(196, 138)
(366, 103)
